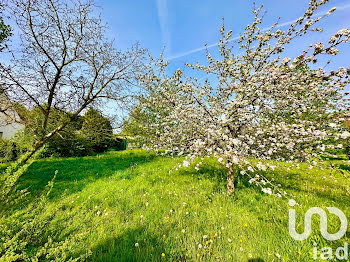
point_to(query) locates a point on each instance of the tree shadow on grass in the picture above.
(344, 167)
(133, 245)
(211, 170)
(297, 183)
(76, 173)
(290, 181)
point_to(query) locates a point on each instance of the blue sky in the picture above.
(184, 26)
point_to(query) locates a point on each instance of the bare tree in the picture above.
(8, 112)
(65, 62)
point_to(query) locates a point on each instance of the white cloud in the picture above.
(189, 52)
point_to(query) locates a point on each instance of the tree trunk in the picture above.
(230, 181)
(32, 151)
(38, 145)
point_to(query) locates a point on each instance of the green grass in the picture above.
(126, 206)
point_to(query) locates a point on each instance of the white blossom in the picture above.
(261, 105)
(345, 135)
(186, 163)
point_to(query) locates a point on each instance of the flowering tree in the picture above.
(264, 106)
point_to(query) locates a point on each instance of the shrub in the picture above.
(83, 136)
(119, 143)
(24, 140)
(67, 144)
(97, 130)
(7, 150)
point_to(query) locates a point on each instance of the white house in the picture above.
(7, 127)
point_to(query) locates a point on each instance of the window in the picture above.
(1, 133)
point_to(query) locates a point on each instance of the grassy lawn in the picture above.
(126, 206)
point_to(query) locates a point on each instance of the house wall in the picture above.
(8, 129)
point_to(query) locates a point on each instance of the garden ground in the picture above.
(128, 206)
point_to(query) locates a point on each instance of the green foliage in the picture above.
(68, 142)
(83, 136)
(124, 206)
(19, 236)
(24, 140)
(134, 126)
(35, 119)
(119, 143)
(97, 130)
(7, 150)
(9, 178)
(5, 30)
(347, 149)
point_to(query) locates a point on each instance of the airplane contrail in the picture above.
(237, 37)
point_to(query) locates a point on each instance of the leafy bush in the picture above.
(24, 140)
(97, 130)
(67, 144)
(7, 150)
(119, 144)
(134, 126)
(86, 135)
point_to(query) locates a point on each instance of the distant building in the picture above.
(9, 118)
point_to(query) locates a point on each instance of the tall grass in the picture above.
(127, 206)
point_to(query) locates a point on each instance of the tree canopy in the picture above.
(264, 105)
(66, 62)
